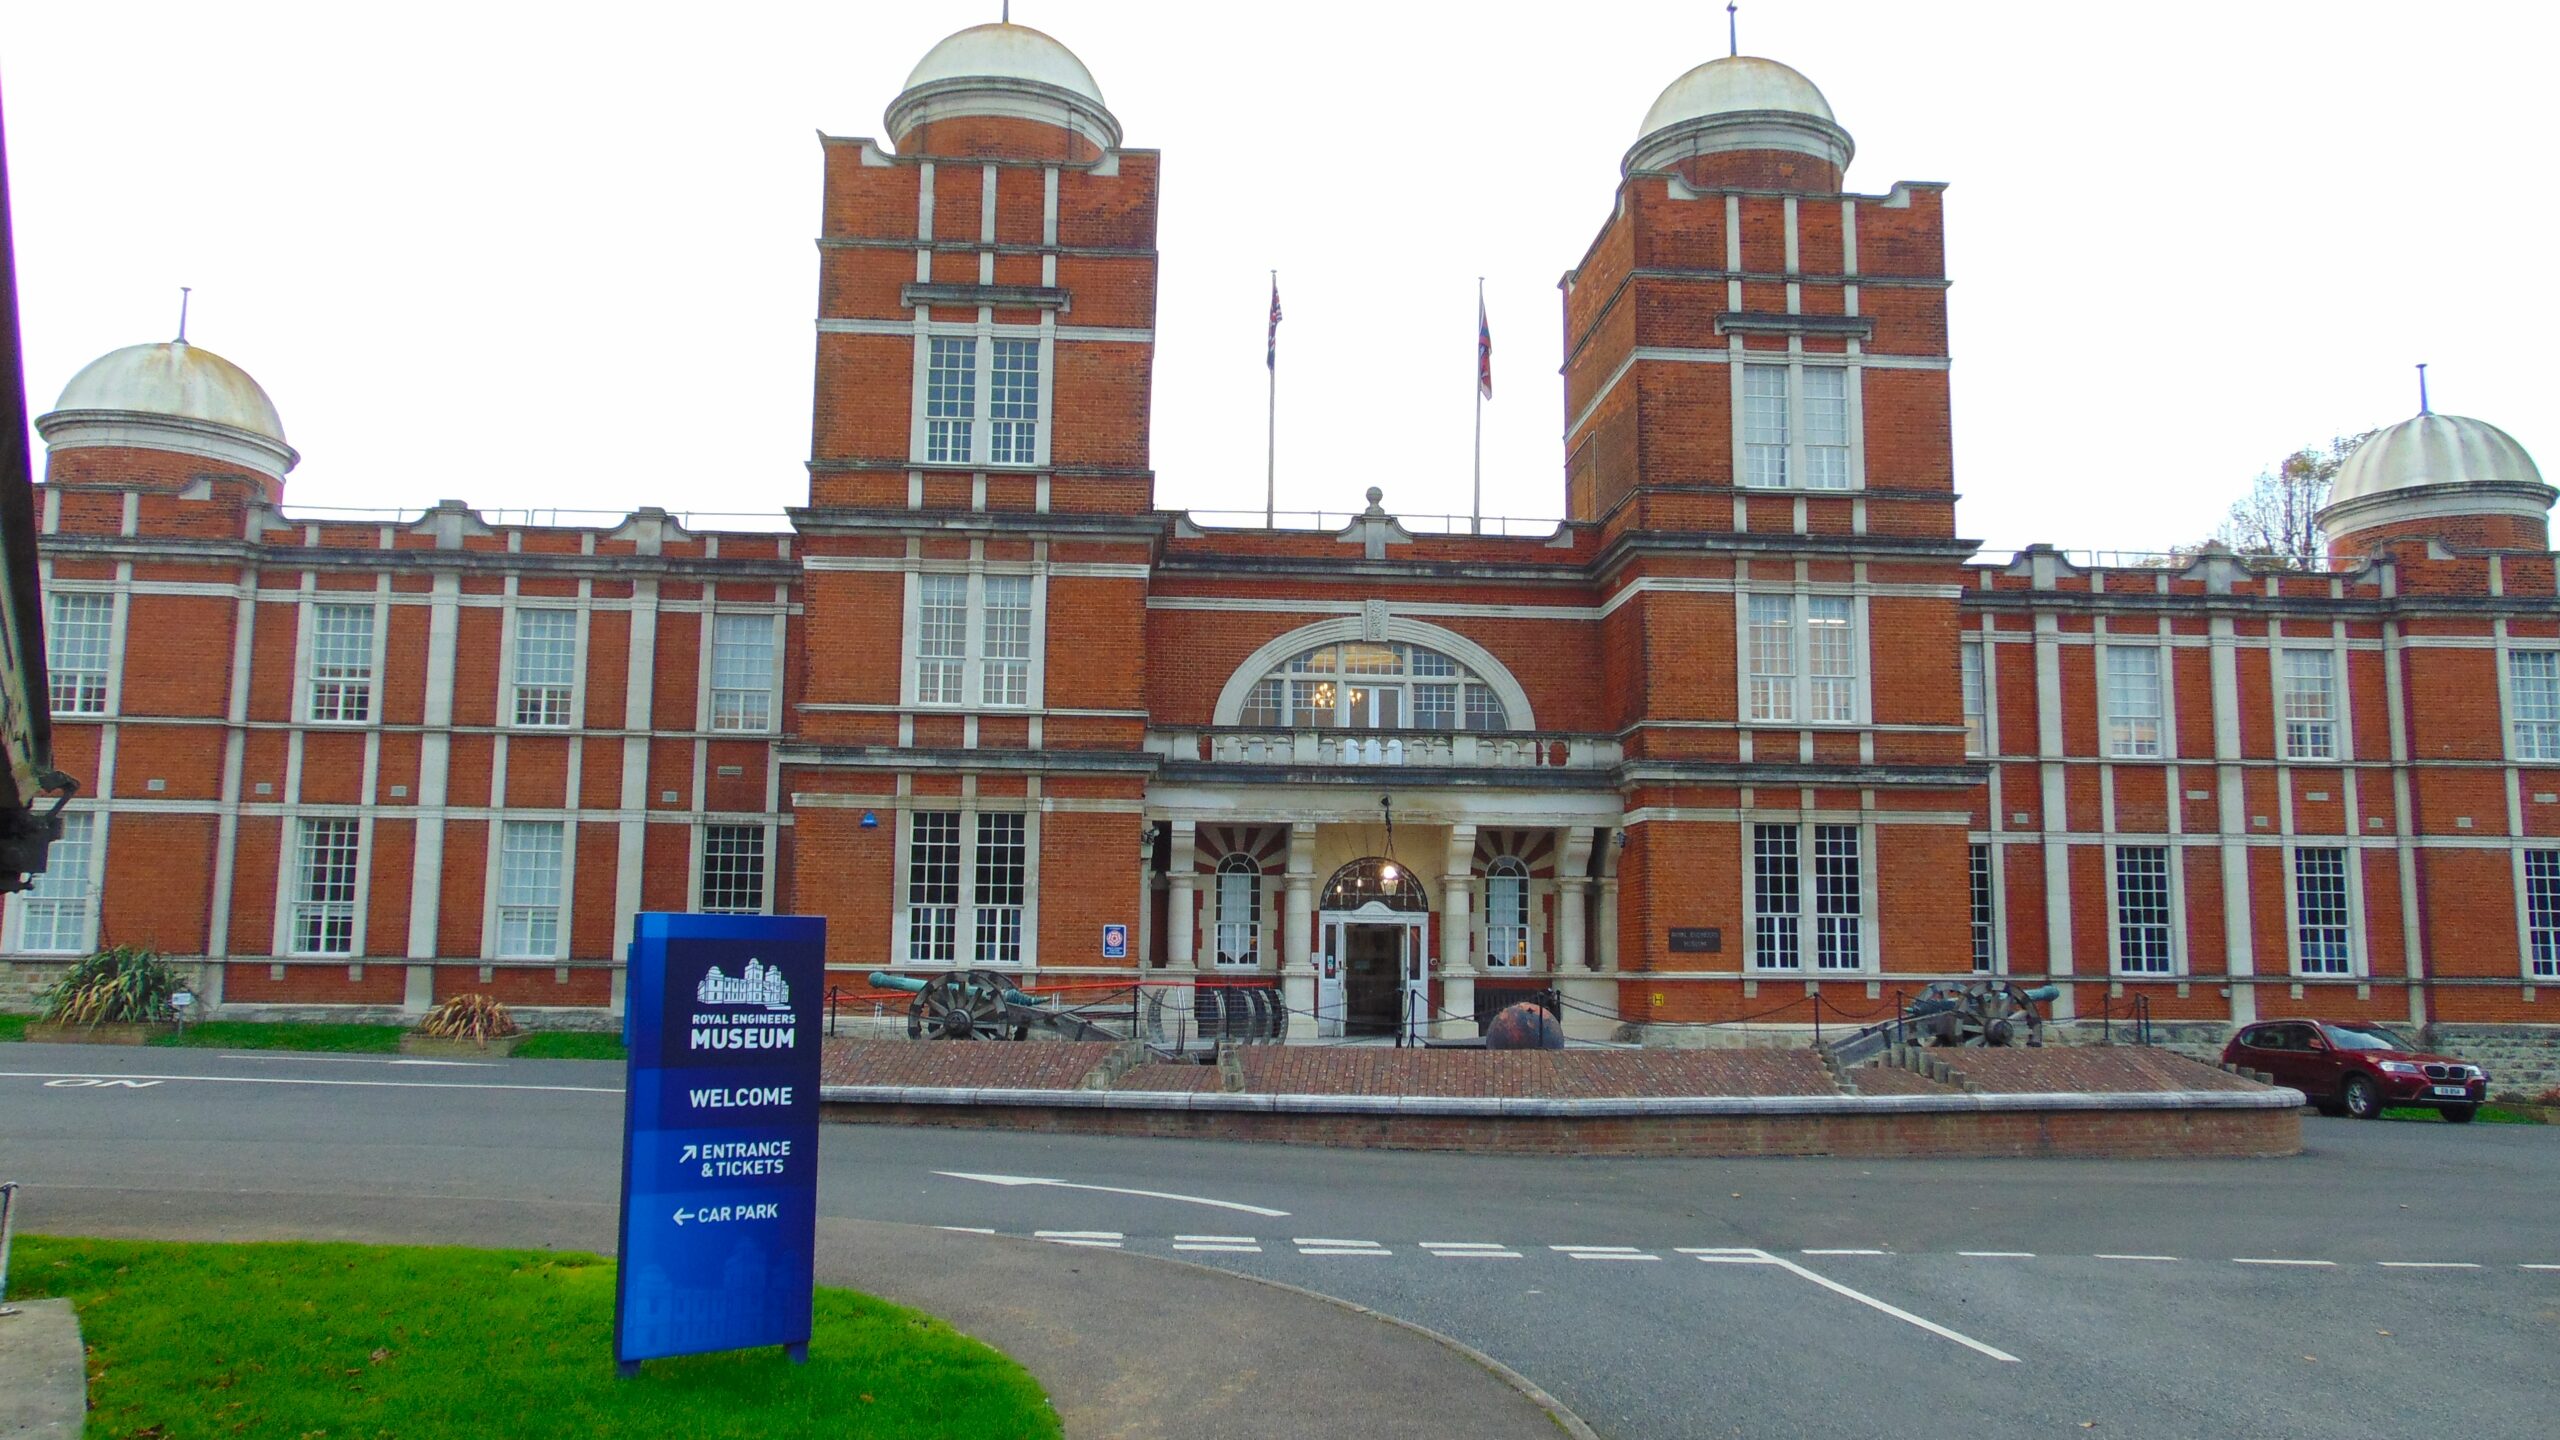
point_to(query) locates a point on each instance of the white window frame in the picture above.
(744, 708)
(2119, 733)
(2533, 730)
(1982, 899)
(2538, 909)
(520, 691)
(1773, 697)
(1802, 924)
(2310, 725)
(1973, 684)
(1797, 450)
(329, 907)
(972, 439)
(1510, 944)
(530, 926)
(1236, 940)
(721, 840)
(2350, 921)
(67, 888)
(2131, 933)
(987, 925)
(364, 686)
(982, 680)
(99, 621)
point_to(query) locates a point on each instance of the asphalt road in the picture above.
(2397, 1279)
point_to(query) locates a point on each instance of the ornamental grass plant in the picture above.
(120, 985)
(474, 1017)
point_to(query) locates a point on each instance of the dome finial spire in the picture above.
(183, 292)
(2422, 389)
(1732, 28)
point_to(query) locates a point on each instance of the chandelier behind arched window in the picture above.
(1365, 685)
(1378, 879)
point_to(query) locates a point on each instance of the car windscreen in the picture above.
(2363, 1037)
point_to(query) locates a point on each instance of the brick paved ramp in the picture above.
(1546, 1074)
(970, 1064)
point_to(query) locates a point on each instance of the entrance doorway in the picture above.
(1373, 978)
(1373, 973)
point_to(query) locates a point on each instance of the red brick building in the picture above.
(1752, 723)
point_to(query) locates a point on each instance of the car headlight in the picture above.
(2475, 1072)
(2400, 1067)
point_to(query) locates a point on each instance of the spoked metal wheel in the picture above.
(962, 1005)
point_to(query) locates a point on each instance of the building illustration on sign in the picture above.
(758, 986)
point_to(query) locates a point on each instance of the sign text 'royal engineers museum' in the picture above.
(1753, 719)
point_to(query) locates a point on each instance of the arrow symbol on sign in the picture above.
(689, 1152)
(1018, 1180)
(682, 1216)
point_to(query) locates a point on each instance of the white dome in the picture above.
(174, 378)
(1732, 85)
(1005, 52)
(2432, 450)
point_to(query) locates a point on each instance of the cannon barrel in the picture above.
(2045, 992)
(883, 980)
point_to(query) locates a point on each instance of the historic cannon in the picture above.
(1954, 1013)
(977, 1005)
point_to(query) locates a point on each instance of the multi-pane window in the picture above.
(1005, 640)
(1985, 933)
(78, 631)
(1239, 932)
(1375, 685)
(546, 674)
(1783, 924)
(1969, 658)
(1002, 880)
(732, 869)
(933, 886)
(1826, 428)
(2310, 702)
(54, 909)
(1777, 918)
(326, 855)
(2142, 909)
(1803, 658)
(1764, 425)
(1506, 914)
(1013, 404)
(942, 638)
(529, 853)
(742, 672)
(2320, 911)
(2133, 701)
(2542, 913)
(961, 405)
(950, 399)
(342, 662)
(2534, 677)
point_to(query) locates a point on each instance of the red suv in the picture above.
(2355, 1067)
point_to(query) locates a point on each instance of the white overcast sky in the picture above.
(531, 254)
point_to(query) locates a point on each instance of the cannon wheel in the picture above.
(1984, 1015)
(962, 1005)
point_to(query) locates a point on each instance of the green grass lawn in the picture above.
(369, 1342)
(570, 1045)
(2489, 1115)
(14, 1027)
(286, 1035)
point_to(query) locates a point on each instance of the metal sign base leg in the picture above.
(799, 1352)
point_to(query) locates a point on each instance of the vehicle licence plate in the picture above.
(2456, 1091)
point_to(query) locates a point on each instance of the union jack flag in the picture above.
(1484, 352)
(1271, 343)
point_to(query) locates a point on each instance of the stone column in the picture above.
(1573, 891)
(1457, 938)
(1297, 941)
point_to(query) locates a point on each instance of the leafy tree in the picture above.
(2274, 519)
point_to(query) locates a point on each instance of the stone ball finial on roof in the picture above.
(1739, 102)
(170, 396)
(1003, 71)
(2450, 472)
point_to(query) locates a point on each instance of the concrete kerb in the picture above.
(44, 1381)
(1573, 1108)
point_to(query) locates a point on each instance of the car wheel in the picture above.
(2460, 1114)
(2331, 1108)
(2362, 1099)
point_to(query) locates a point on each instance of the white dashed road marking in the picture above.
(1219, 1244)
(2427, 1265)
(1602, 1252)
(2306, 1264)
(2163, 1259)
(1845, 1252)
(1311, 1246)
(2538, 1267)
(1098, 1239)
(1997, 1254)
(1730, 1256)
(1469, 1250)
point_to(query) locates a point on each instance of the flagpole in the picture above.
(1271, 423)
(1475, 512)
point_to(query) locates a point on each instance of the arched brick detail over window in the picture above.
(1276, 653)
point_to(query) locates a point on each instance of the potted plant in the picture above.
(119, 996)
(466, 1024)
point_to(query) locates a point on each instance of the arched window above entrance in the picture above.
(1375, 880)
(1371, 685)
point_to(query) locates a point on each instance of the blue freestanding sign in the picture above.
(719, 1135)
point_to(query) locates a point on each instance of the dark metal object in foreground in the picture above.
(1974, 1013)
(1524, 1026)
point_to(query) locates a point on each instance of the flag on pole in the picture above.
(1484, 352)
(1271, 343)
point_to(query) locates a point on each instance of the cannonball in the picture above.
(1525, 1026)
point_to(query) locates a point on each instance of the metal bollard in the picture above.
(8, 1230)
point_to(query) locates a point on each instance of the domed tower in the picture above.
(160, 417)
(1002, 91)
(1744, 122)
(2442, 477)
